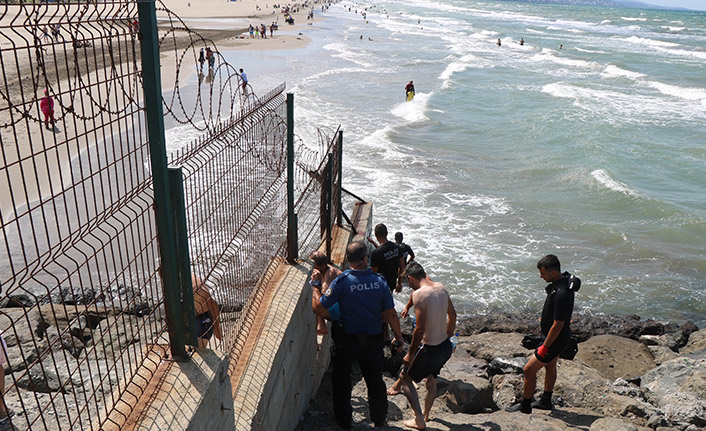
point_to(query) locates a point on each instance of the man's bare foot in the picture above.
(395, 388)
(426, 417)
(415, 424)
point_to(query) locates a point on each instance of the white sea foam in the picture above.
(413, 111)
(651, 42)
(686, 93)
(607, 181)
(615, 71)
(606, 21)
(590, 51)
(673, 29)
(625, 18)
(570, 30)
(549, 55)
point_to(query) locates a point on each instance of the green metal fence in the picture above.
(86, 223)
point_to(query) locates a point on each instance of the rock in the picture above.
(20, 300)
(615, 356)
(77, 295)
(491, 345)
(671, 341)
(615, 424)
(507, 389)
(21, 326)
(40, 379)
(461, 365)
(684, 332)
(506, 366)
(522, 323)
(19, 357)
(470, 396)
(697, 342)
(679, 389)
(66, 341)
(662, 354)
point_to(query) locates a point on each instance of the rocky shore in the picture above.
(629, 375)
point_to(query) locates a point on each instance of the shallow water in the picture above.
(594, 152)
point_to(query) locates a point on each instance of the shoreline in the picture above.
(30, 137)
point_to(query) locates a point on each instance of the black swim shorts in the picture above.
(556, 348)
(429, 360)
(204, 325)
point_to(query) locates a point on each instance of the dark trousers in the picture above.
(368, 351)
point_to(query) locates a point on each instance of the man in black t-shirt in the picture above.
(556, 316)
(405, 250)
(387, 260)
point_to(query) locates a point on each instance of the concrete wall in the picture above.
(194, 395)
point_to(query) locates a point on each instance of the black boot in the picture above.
(545, 402)
(525, 406)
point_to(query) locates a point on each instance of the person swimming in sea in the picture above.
(499, 43)
(522, 41)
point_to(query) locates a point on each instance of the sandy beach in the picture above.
(43, 157)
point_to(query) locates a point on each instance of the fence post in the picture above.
(152, 88)
(329, 203)
(186, 325)
(292, 240)
(339, 207)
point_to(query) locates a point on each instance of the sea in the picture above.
(587, 141)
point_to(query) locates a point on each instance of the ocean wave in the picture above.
(686, 93)
(607, 181)
(359, 57)
(590, 51)
(673, 29)
(606, 21)
(548, 55)
(615, 71)
(461, 64)
(413, 111)
(651, 42)
(570, 30)
(626, 18)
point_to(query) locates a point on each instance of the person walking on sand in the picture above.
(430, 347)
(251, 29)
(364, 302)
(46, 105)
(556, 316)
(321, 277)
(202, 58)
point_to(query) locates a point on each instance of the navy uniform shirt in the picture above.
(361, 298)
(386, 259)
(559, 305)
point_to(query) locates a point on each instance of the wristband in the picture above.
(542, 351)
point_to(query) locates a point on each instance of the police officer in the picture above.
(364, 301)
(556, 316)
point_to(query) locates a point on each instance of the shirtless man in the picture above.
(208, 322)
(321, 277)
(430, 347)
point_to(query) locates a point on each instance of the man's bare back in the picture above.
(432, 300)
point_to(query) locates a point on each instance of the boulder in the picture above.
(461, 365)
(491, 345)
(697, 342)
(670, 341)
(20, 326)
(522, 323)
(507, 389)
(40, 379)
(19, 300)
(662, 354)
(19, 357)
(615, 356)
(615, 424)
(472, 395)
(65, 341)
(678, 388)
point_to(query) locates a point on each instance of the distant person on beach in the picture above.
(499, 43)
(251, 30)
(364, 303)
(244, 78)
(387, 260)
(405, 250)
(208, 321)
(430, 347)
(321, 277)
(556, 316)
(202, 58)
(46, 105)
(211, 62)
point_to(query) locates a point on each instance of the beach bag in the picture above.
(532, 341)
